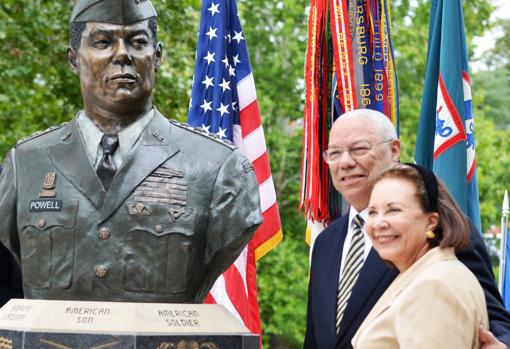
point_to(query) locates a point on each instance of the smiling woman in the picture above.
(415, 225)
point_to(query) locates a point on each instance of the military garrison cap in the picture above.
(112, 11)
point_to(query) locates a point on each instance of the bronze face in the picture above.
(116, 65)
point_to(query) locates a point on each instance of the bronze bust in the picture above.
(121, 204)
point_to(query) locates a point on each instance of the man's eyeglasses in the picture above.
(335, 154)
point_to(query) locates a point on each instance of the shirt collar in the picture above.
(129, 135)
(92, 135)
(353, 212)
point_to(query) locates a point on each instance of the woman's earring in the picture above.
(430, 235)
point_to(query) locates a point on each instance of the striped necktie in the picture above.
(353, 264)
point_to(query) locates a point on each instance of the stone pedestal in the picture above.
(40, 324)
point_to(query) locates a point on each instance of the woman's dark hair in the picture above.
(453, 229)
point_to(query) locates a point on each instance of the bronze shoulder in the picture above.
(40, 133)
(204, 133)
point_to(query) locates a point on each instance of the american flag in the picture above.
(224, 102)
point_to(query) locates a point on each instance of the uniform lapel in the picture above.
(153, 149)
(70, 158)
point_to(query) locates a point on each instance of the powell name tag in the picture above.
(45, 205)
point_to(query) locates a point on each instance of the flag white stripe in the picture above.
(267, 194)
(237, 137)
(255, 144)
(246, 91)
(220, 295)
(467, 90)
(241, 265)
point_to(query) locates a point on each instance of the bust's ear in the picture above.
(159, 54)
(72, 60)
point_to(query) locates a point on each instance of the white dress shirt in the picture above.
(350, 231)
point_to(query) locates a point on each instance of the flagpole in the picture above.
(504, 231)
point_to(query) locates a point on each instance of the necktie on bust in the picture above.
(353, 264)
(106, 168)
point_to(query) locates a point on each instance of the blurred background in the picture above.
(37, 90)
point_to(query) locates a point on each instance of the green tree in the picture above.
(494, 86)
(499, 56)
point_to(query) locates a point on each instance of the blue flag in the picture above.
(446, 141)
(222, 62)
(505, 274)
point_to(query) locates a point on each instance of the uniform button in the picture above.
(104, 233)
(159, 228)
(101, 271)
(41, 223)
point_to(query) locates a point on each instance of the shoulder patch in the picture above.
(204, 133)
(40, 133)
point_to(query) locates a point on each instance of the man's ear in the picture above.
(159, 54)
(395, 150)
(72, 60)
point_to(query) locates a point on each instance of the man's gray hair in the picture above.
(381, 122)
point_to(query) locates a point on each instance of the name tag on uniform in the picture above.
(45, 206)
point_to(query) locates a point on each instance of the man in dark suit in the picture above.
(347, 276)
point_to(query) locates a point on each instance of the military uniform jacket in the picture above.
(180, 209)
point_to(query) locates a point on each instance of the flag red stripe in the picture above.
(250, 118)
(270, 226)
(237, 293)
(251, 280)
(262, 168)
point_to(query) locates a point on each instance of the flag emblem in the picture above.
(449, 128)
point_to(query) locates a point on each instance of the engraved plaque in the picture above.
(93, 325)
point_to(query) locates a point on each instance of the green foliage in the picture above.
(283, 293)
(500, 55)
(38, 90)
(493, 86)
(492, 159)
(178, 22)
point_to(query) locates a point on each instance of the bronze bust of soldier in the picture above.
(119, 204)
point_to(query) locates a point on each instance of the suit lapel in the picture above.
(332, 272)
(70, 158)
(153, 149)
(368, 284)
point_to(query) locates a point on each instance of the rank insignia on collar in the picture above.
(48, 185)
(158, 136)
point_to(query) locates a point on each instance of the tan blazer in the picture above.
(436, 303)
